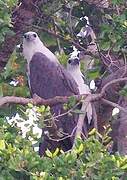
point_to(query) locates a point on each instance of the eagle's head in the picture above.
(30, 37)
(73, 63)
(31, 44)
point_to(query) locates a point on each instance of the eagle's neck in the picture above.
(78, 77)
(30, 48)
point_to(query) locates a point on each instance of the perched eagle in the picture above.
(73, 67)
(47, 79)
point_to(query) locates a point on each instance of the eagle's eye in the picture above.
(25, 36)
(69, 61)
(35, 35)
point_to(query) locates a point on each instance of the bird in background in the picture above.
(73, 67)
(87, 32)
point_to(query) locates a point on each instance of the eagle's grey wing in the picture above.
(47, 80)
(68, 80)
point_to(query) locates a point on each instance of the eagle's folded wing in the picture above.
(47, 80)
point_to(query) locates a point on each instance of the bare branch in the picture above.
(81, 118)
(39, 101)
(112, 82)
(57, 99)
(113, 105)
(46, 102)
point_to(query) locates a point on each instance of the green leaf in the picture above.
(71, 101)
(93, 74)
(48, 153)
(9, 67)
(123, 92)
(92, 132)
(117, 2)
(1, 91)
(41, 109)
(108, 16)
(116, 48)
(30, 105)
(80, 149)
(112, 37)
(2, 144)
(124, 167)
(56, 152)
(105, 45)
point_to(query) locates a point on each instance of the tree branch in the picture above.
(58, 99)
(112, 82)
(81, 119)
(46, 102)
(36, 101)
(113, 105)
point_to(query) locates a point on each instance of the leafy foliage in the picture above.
(12, 79)
(6, 7)
(88, 160)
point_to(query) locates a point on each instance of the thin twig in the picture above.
(94, 117)
(63, 114)
(61, 139)
(125, 63)
(70, 20)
